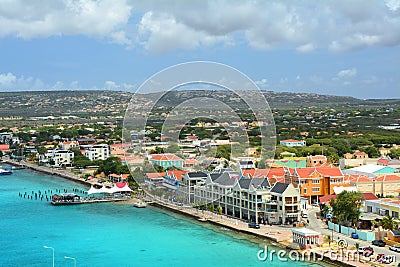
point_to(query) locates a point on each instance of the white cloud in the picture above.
(162, 26)
(29, 19)
(7, 79)
(10, 81)
(162, 33)
(298, 77)
(262, 82)
(305, 48)
(347, 73)
(111, 85)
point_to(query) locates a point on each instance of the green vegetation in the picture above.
(346, 207)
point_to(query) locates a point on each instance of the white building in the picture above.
(61, 158)
(250, 199)
(97, 152)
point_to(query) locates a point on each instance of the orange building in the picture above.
(315, 182)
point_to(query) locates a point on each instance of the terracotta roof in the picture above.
(370, 196)
(324, 171)
(359, 153)
(290, 140)
(328, 198)
(384, 162)
(388, 178)
(178, 173)
(4, 147)
(165, 157)
(153, 175)
(357, 178)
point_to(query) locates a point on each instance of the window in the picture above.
(315, 189)
(315, 181)
(305, 191)
(303, 182)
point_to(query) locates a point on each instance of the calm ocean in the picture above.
(108, 234)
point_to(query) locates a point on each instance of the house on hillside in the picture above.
(292, 143)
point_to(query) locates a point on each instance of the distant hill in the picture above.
(104, 102)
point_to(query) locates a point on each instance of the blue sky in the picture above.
(327, 47)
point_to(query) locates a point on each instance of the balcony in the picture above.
(292, 203)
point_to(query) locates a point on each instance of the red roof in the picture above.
(4, 147)
(178, 174)
(388, 178)
(369, 196)
(324, 171)
(384, 162)
(290, 140)
(357, 178)
(327, 199)
(166, 156)
(153, 175)
(192, 137)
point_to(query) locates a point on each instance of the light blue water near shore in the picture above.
(107, 234)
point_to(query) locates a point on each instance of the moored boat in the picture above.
(6, 171)
(140, 204)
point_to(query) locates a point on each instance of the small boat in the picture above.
(140, 204)
(6, 171)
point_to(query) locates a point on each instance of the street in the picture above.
(319, 226)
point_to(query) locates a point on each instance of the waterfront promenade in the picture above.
(51, 171)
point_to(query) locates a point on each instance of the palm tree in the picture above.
(328, 239)
(388, 223)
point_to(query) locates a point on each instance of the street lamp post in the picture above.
(52, 251)
(66, 257)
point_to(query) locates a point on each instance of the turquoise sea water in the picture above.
(107, 234)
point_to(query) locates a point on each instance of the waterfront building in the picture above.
(250, 199)
(60, 158)
(188, 183)
(154, 179)
(305, 237)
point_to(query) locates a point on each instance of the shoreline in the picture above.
(277, 235)
(46, 170)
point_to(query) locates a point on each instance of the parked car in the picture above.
(354, 236)
(366, 251)
(395, 248)
(254, 225)
(379, 243)
(305, 216)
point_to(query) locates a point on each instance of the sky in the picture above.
(338, 47)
